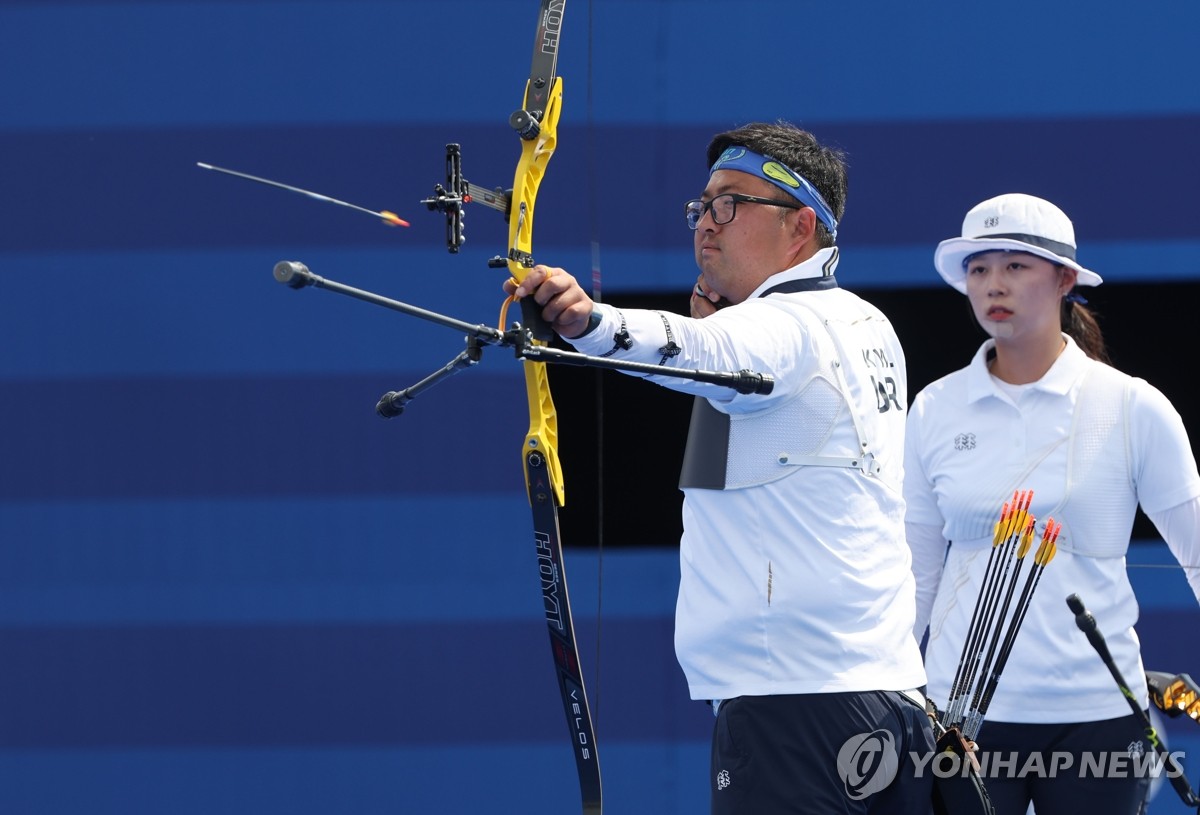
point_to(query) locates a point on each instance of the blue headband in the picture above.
(782, 176)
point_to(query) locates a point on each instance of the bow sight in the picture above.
(456, 193)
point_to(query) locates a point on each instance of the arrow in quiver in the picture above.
(996, 619)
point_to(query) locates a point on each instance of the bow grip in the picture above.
(531, 318)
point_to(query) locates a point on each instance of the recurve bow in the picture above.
(536, 123)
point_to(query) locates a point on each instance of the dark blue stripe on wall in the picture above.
(401, 684)
(1170, 636)
(247, 437)
(911, 182)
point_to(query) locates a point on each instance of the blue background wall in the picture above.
(225, 585)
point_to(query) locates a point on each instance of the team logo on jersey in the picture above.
(723, 779)
(964, 441)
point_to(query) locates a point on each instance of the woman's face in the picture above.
(1017, 294)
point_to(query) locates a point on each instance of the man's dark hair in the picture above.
(823, 166)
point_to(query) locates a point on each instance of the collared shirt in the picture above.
(801, 584)
(972, 442)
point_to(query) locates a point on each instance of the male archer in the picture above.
(796, 600)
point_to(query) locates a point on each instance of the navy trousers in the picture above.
(821, 753)
(1090, 767)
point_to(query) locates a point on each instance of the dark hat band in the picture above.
(1059, 248)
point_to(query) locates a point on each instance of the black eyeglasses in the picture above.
(724, 207)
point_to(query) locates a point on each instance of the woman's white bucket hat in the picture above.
(1014, 222)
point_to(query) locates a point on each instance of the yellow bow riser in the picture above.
(535, 155)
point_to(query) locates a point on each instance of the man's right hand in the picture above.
(704, 302)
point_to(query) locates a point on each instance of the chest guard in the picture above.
(1098, 497)
(727, 452)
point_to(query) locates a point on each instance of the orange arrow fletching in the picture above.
(392, 219)
(998, 533)
(1049, 547)
(1026, 539)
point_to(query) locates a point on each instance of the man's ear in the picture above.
(804, 227)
